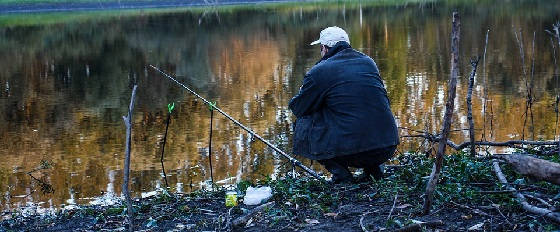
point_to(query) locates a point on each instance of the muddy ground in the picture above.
(208, 212)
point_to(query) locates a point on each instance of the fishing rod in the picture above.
(291, 159)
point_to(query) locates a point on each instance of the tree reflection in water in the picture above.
(65, 86)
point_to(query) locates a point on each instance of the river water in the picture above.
(65, 83)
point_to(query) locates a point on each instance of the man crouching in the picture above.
(343, 114)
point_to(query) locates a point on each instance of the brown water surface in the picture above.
(64, 87)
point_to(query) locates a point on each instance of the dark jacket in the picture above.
(342, 107)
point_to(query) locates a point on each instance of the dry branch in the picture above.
(128, 124)
(485, 87)
(474, 210)
(539, 200)
(510, 143)
(364, 229)
(418, 226)
(554, 216)
(534, 167)
(557, 33)
(474, 65)
(241, 221)
(434, 176)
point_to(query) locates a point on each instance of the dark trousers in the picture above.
(370, 161)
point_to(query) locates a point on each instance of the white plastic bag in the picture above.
(257, 196)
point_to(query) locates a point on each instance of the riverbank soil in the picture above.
(468, 197)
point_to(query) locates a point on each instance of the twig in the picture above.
(364, 229)
(418, 226)
(163, 149)
(539, 200)
(128, 124)
(210, 145)
(392, 208)
(477, 211)
(519, 40)
(491, 118)
(474, 65)
(244, 219)
(434, 176)
(229, 225)
(500, 212)
(483, 143)
(555, 75)
(556, 30)
(554, 216)
(504, 191)
(530, 102)
(485, 87)
(410, 129)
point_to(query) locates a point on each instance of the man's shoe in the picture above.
(336, 179)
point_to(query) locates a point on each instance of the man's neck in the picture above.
(335, 49)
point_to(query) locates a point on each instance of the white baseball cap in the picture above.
(332, 35)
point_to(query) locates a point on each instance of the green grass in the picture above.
(63, 1)
(48, 18)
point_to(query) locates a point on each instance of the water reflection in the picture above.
(67, 85)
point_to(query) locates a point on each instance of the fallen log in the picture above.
(554, 216)
(536, 168)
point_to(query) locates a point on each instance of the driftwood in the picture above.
(241, 221)
(451, 91)
(554, 216)
(534, 167)
(128, 124)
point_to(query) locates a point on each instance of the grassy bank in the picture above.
(468, 197)
(101, 12)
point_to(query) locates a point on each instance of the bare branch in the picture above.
(451, 91)
(474, 65)
(128, 124)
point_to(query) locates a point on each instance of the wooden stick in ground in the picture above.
(554, 216)
(485, 87)
(530, 102)
(556, 28)
(241, 221)
(163, 149)
(556, 85)
(128, 124)
(392, 208)
(474, 65)
(434, 176)
(519, 39)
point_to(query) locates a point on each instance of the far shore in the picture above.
(86, 5)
